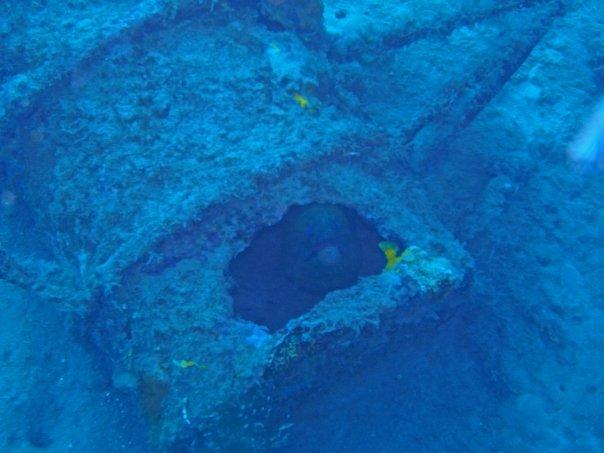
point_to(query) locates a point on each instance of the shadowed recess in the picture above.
(290, 266)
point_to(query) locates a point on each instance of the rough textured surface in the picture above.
(145, 142)
(50, 381)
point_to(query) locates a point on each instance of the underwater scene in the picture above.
(301, 226)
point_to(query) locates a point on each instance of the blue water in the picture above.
(320, 225)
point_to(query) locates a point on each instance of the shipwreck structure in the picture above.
(147, 152)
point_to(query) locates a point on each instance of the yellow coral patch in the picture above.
(391, 252)
(301, 100)
(185, 363)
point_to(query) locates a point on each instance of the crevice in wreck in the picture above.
(290, 266)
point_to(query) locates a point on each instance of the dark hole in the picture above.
(292, 265)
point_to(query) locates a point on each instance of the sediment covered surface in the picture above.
(145, 143)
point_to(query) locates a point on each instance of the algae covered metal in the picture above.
(183, 339)
(151, 165)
